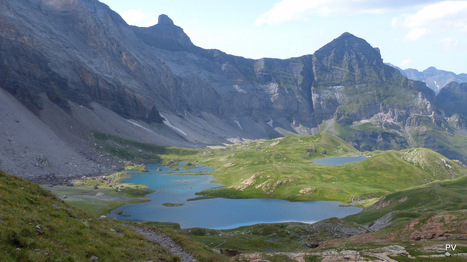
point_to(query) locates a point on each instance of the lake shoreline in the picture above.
(99, 195)
(179, 188)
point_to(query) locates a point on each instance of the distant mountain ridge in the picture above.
(72, 68)
(435, 78)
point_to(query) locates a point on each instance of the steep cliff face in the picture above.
(75, 65)
(77, 62)
(99, 58)
(265, 96)
(70, 50)
(352, 82)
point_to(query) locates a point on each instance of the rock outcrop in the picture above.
(165, 35)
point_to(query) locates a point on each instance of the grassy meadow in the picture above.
(283, 168)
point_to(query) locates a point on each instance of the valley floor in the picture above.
(418, 204)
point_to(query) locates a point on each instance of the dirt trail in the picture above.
(167, 242)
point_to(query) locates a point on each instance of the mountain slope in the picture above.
(452, 99)
(36, 226)
(40, 54)
(433, 197)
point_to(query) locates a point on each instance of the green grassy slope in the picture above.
(450, 144)
(423, 220)
(423, 201)
(282, 168)
(36, 226)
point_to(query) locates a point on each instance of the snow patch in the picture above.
(239, 89)
(171, 126)
(138, 125)
(271, 123)
(238, 124)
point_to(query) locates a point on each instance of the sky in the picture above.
(410, 33)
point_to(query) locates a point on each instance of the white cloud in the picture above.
(416, 33)
(448, 43)
(434, 18)
(289, 10)
(138, 18)
(299, 10)
(405, 62)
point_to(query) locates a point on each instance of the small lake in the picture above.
(339, 160)
(217, 213)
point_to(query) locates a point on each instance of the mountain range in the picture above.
(435, 78)
(73, 69)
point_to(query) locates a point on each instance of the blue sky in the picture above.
(410, 33)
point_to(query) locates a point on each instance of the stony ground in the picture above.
(167, 242)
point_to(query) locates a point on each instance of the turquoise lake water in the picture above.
(338, 160)
(217, 213)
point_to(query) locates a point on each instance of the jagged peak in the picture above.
(165, 20)
(350, 38)
(348, 42)
(165, 34)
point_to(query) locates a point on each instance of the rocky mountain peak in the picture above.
(165, 20)
(355, 58)
(165, 35)
(431, 69)
(348, 44)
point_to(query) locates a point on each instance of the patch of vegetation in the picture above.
(367, 137)
(430, 203)
(435, 259)
(172, 205)
(100, 195)
(313, 259)
(452, 145)
(37, 226)
(141, 168)
(187, 166)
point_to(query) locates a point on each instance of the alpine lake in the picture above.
(174, 201)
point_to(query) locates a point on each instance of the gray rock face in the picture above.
(165, 34)
(165, 20)
(66, 49)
